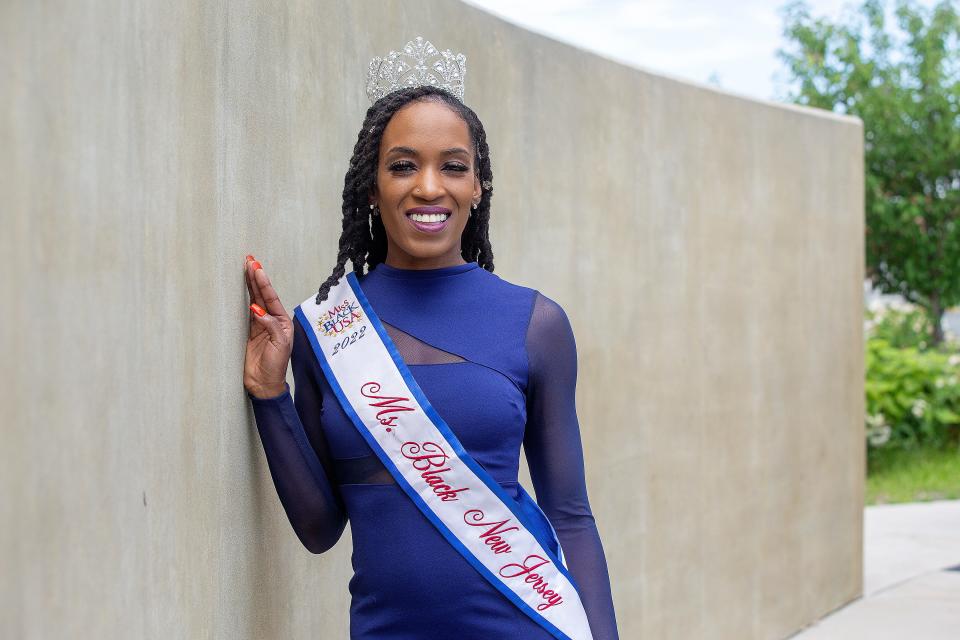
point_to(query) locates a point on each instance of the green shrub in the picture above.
(901, 324)
(913, 394)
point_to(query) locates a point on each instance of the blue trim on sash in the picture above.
(523, 516)
(545, 530)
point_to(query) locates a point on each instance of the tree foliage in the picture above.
(904, 85)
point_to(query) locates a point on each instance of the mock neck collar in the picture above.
(418, 274)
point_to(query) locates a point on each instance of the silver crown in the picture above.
(420, 63)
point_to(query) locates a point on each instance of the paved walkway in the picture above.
(911, 582)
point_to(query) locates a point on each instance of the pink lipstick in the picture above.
(429, 219)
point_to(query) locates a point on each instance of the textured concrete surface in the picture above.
(904, 541)
(911, 577)
(708, 250)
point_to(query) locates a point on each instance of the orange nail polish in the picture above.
(249, 257)
(257, 309)
(256, 265)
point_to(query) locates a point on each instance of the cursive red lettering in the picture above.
(369, 389)
(434, 480)
(435, 456)
(496, 543)
(539, 584)
(522, 568)
(425, 455)
(551, 601)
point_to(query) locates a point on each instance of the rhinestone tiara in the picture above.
(419, 63)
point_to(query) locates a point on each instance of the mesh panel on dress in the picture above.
(416, 351)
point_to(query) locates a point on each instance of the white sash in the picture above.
(510, 543)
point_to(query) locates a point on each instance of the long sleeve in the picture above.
(555, 458)
(297, 454)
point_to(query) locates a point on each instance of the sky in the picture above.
(721, 43)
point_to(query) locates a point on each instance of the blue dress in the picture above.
(498, 362)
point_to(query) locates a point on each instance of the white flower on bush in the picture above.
(954, 360)
(878, 431)
(881, 436)
(919, 408)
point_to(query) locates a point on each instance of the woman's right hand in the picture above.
(271, 336)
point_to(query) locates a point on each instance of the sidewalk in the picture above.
(911, 577)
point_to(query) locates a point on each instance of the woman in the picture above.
(496, 360)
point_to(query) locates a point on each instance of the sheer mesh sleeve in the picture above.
(555, 457)
(297, 455)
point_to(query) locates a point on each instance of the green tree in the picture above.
(905, 87)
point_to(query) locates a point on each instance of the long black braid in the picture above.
(364, 239)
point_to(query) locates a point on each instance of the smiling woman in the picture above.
(416, 385)
(426, 185)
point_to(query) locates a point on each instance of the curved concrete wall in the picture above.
(708, 249)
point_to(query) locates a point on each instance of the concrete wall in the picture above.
(716, 243)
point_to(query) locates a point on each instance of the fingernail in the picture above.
(256, 265)
(257, 309)
(249, 257)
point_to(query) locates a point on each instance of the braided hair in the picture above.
(364, 239)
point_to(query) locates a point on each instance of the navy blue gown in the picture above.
(498, 362)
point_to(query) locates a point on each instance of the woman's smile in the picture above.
(429, 219)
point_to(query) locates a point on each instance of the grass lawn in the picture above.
(913, 476)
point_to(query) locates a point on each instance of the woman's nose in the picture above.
(429, 186)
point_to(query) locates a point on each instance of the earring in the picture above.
(376, 209)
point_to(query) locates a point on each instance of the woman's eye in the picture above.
(407, 166)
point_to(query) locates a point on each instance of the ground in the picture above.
(911, 577)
